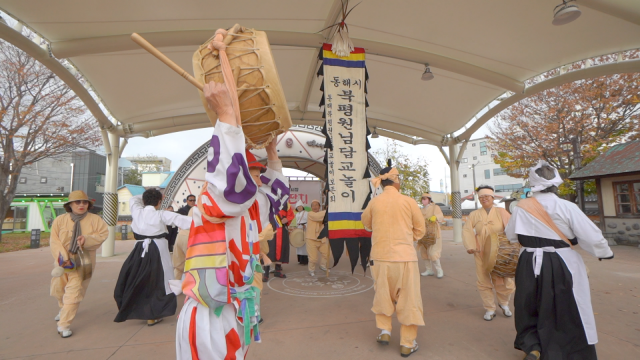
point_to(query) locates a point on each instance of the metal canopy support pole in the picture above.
(455, 192)
(110, 202)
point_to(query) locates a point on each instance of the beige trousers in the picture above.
(408, 333)
(315, 249)
(397, 289)
(488, 282)
(69, 289)
(432, 252)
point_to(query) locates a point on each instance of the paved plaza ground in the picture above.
(305, 318)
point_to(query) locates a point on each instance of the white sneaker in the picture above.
(440, 273)
(489, 315)
(506, 311)
(323, 268)
(312, 273)
(57, 318)
(428, 272)
(65, 333)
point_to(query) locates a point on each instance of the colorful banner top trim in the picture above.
(354, 60)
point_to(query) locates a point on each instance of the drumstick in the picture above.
(162, 57)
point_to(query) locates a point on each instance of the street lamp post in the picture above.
(577, 163)
(473, 168)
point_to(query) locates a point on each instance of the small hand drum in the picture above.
(296, 238)
(83, 264)
(506, 258)
(430, 236)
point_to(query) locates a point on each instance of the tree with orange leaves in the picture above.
(40, 117)
(597, 113)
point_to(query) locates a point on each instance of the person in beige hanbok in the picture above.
(67, 285)
(318, 249)
(431, 253)
(479, 236)
(396, 224)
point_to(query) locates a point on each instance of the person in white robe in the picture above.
(301, 223)
(553, 315)
(143, 291)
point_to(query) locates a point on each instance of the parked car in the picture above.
(443, 207)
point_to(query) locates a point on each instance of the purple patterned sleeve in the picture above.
(229, 181)
(239, 168)
(213, 156)
(276, 189)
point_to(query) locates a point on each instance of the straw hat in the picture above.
(427, 195)
(78, 195)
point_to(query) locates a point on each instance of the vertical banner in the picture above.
(347, 175)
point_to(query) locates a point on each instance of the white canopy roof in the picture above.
(478, 51)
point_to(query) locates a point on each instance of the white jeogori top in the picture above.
(567, 216)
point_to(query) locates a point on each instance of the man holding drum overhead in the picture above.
(242, 95)
(480, 236)
(222, 269)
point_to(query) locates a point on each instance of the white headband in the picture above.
(489, 192)
(539, 183)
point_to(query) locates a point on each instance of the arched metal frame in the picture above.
(200, 154)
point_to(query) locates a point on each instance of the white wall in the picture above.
(35, 220)
(485, 163)
(153, 179)
(123, 201)
(608, 197)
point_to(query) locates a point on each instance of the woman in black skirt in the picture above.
(553, 314)
(142, 291)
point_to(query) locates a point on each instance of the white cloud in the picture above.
(177, 147)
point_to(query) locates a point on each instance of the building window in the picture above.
(627, 198)
(16, 218)
(508, 188)
(464, 175)
(464, 160)
(43, 180)
(499, 171)
(487, 174)
(466, 191)
(483, 148)
(475, 158)
(23, 180)
(473, 145)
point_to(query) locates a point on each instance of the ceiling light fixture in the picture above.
(427, 74)
(565, 13)
(374, 134)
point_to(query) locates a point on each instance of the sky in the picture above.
(179, 146)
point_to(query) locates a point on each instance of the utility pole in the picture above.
(473, 168)
(446, 188)
(577, 163)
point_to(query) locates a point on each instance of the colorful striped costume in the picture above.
(220, 316)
